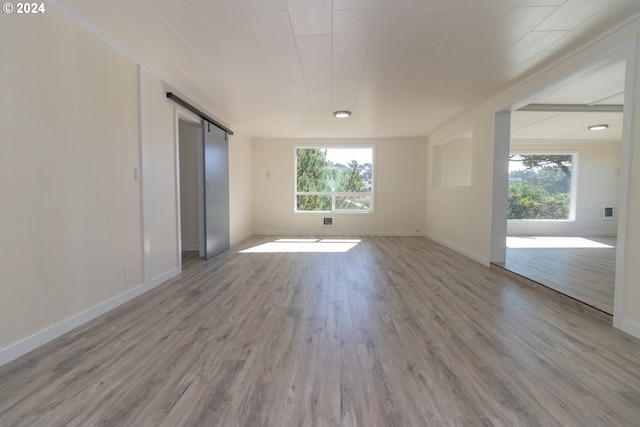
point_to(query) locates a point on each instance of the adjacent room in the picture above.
(320, 213)
(564, 185)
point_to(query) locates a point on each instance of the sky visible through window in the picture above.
(346, 155)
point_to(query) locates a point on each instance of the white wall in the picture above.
(88, 180)
(459, 216)
(69, 145)
(240, 187)
(597, 174)
(399, 189)
(159, 177)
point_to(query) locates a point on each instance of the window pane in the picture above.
(539, 186)
(331, 170)
(312, 170)
(357, 203)
(313, 203)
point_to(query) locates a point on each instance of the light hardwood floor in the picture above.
(586, 274)
(397, 331)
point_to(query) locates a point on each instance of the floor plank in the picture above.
(397, 331)
(586, 274)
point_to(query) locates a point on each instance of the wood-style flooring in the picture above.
(586, 274)
(396, 331)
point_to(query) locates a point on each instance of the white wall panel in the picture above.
(71, 206)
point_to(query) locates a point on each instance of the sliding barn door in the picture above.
(216, 190)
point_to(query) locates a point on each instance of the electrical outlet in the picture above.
(128, 273)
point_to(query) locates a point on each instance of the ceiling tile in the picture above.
(345, 88)
(121, 34)
(318, 79)
(520, 20)
(246, 51)
(315, 51)
(142, 17)
(310, 17)
(354, 4)
(227, 18)
(293, 89)
(396, 16)
(173, 6)
(374, 78)
(347, 66)
(530, 45)
(264, 5)
(321, 98)
(541, 2)
(383, 51)
(195, 32)
(274, 32)
(81, 7)
(351, 30)
(571, 14)
(286, 67)
(407, 65)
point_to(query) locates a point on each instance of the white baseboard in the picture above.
(630, 328)
(339, 233)
(241, 238)
(463, 251)
(38, 339)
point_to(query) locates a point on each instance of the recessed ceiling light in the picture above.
(342, 114)
(598, 127)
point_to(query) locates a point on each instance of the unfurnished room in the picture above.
(320, 213)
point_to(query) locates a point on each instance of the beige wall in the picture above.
(69, 148)
(399, 189)
(461, 217)
(159, 177)
(240, 187)
(597, 174)
(88, 180)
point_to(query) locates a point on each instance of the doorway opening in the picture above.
(572, 252)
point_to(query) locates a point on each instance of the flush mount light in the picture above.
(598, 127)
(342, 114)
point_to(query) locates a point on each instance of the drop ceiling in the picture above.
(601, 85)
(276, 68)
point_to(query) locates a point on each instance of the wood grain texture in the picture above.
(397, 331)
(586, 274)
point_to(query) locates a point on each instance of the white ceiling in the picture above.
(599, 85)
(404, 67)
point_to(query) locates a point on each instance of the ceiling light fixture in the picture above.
(342, 114)
(598, 127)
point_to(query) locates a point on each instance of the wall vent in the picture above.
(607, 212)
(327, 221)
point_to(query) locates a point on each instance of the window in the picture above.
(540, 186)
(330, 179)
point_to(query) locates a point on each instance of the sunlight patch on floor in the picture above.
(304, 245)
(553, 242)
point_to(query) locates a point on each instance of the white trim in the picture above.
(482, 260)
(38, 339)
(325, 232)
(630, 88)
(628, 327)
(176, 152)
(241, 239)
(144, 166)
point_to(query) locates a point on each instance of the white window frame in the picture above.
(334, 194)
